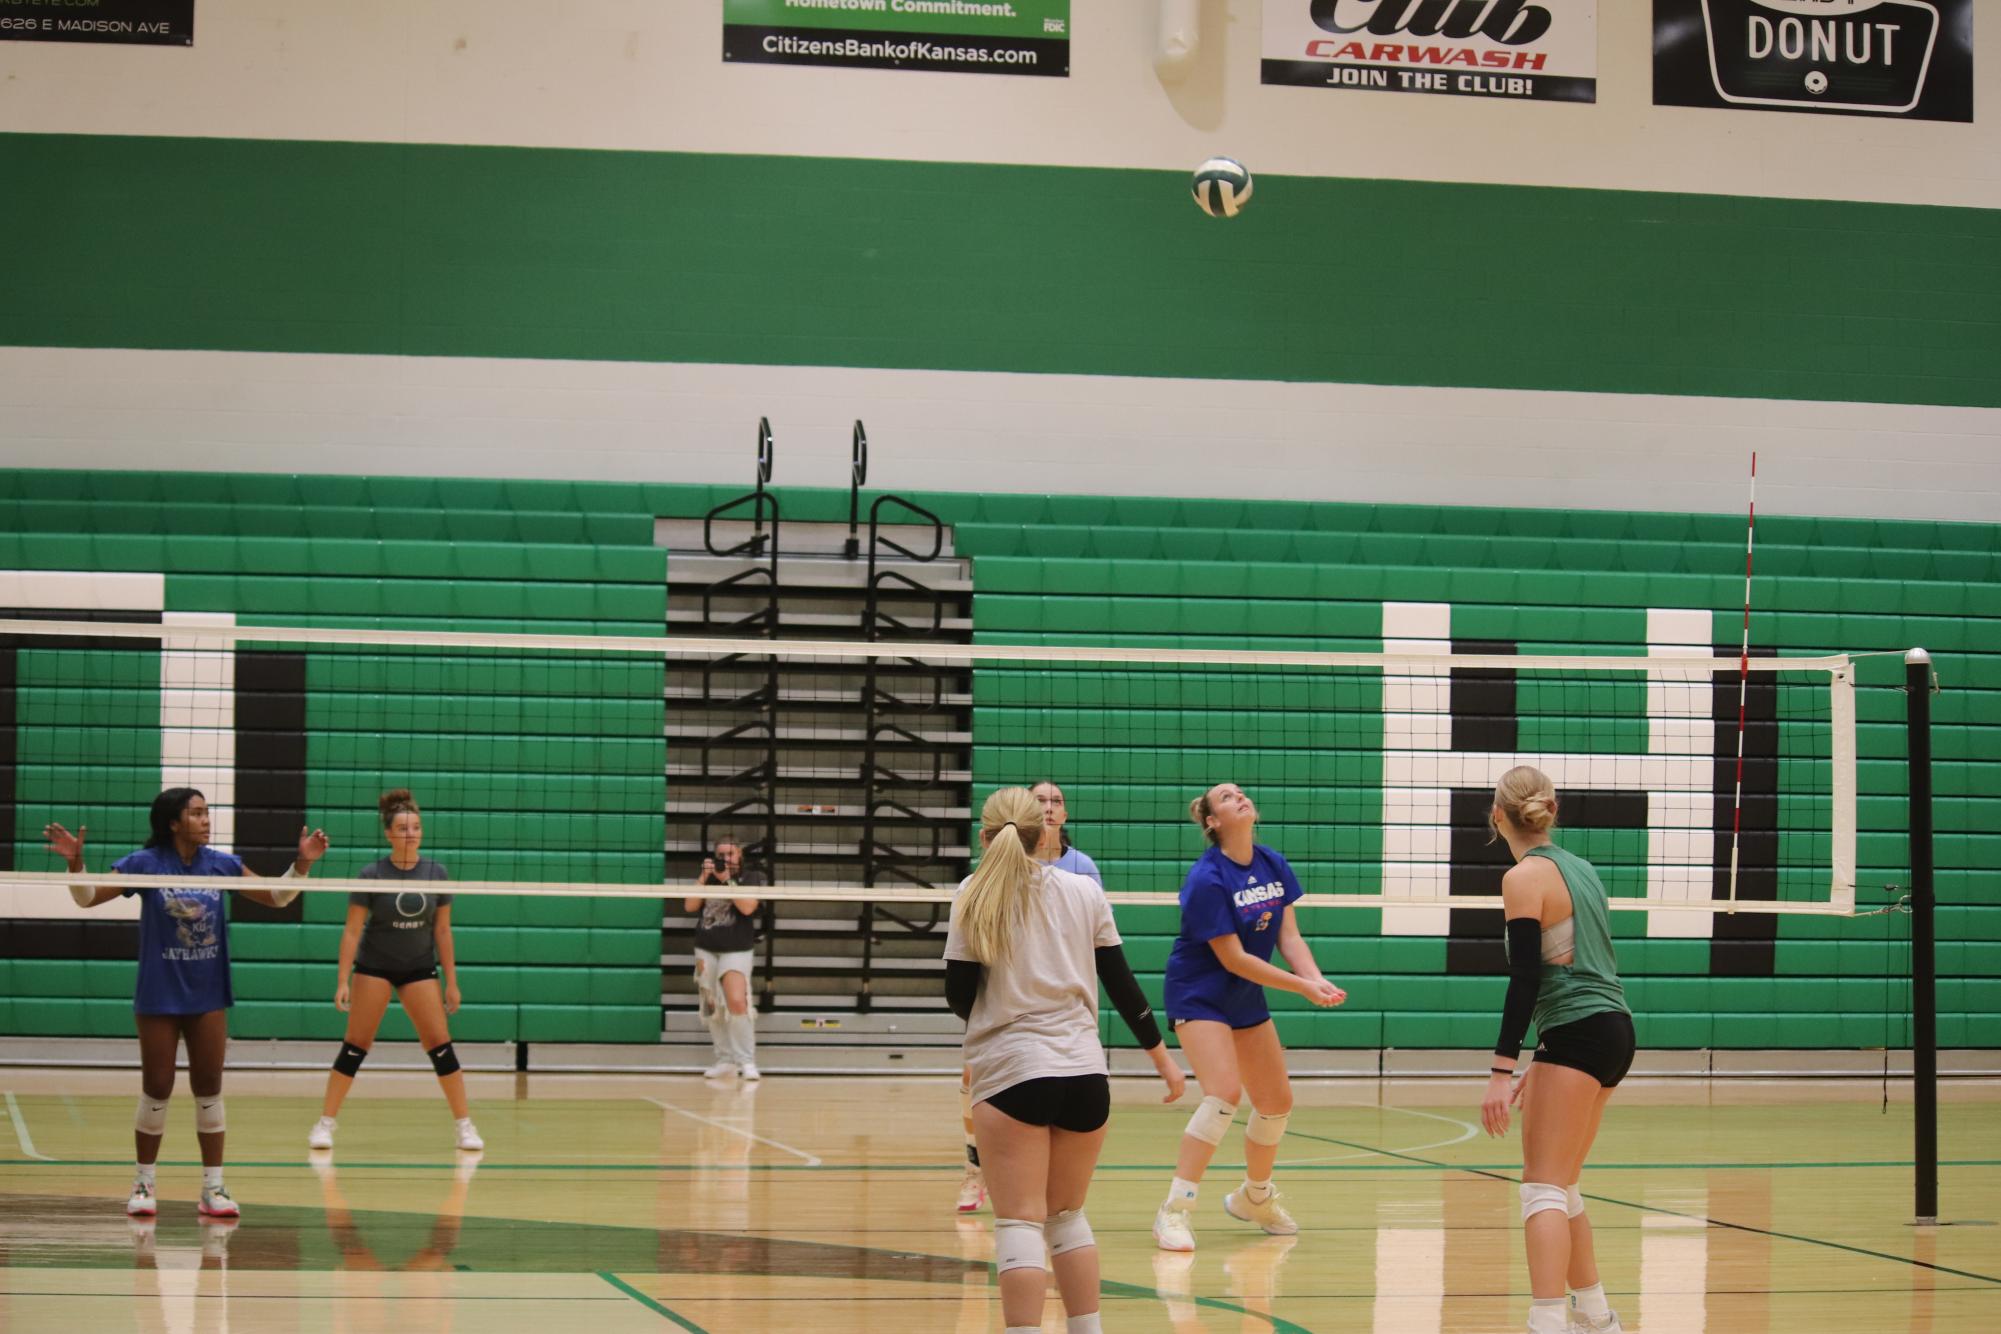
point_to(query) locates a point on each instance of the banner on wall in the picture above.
(942, 36)
(1908, 58)
(1545, 52)
(127, 22)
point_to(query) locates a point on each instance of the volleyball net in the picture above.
(610, 766)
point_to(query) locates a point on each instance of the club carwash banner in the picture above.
(1908, 58)
(948, 36)
(1545, 52)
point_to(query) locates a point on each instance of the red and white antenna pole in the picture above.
(1743, 680)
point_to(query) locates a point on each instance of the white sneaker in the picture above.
(1583, 1324)
(217, 1204)
(720, 1070)
(1171, 1231)
(749, 1073)
(469, 1139)
(1270, 1215)
(142, 1204)
(972, 1190)
(321, 1135)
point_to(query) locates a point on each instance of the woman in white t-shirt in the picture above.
(1052, 849)
(1028, 947)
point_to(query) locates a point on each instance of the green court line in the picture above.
(1499, 1175)
(649, 1303)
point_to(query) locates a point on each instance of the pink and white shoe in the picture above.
(972, 1190)
(217, 1204)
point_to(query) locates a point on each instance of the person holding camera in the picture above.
(725, 935)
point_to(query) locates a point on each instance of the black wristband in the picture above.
(1501, 1070)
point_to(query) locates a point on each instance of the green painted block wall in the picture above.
(448, 250)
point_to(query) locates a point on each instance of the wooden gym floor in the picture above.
(615, 1204)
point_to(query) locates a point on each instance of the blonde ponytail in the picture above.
(991, 906)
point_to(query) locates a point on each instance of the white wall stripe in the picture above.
(198, 720)
(73, 590)
(77, 590)
(1681, 838)
(641, 75)
(1417, 713)
(1075, 434)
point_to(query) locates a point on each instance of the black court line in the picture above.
(1672, 1213)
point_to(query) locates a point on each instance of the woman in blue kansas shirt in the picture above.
(1236, 909)
(183, 990)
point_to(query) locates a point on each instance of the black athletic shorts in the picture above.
(401, 978)
(1077, 1103)
(1601, 1045)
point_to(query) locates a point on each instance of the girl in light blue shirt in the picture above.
(1055, 847)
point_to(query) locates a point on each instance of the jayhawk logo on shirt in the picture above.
(194, 922)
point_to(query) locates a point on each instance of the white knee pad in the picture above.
(1211, 1120)
(208, 1115)
(1573, 1201)
(1018, 1245)
(1266, 1130)
(1538, 1198)
(1068, 1231)
(151, 1118)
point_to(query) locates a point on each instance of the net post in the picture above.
(1924, 962)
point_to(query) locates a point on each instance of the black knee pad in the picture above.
(444, 1060)
(350, 1059)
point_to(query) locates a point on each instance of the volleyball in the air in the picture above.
(1222, 187)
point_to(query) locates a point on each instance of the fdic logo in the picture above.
(1821, 55)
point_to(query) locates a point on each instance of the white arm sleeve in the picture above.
(281, 897)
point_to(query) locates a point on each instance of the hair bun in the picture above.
(394, 801)
(1537, 815)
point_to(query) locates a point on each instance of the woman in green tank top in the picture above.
(1564, 977)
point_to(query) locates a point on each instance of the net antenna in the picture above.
(1743, 683)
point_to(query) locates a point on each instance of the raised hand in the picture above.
(66, 845)
(312, 846)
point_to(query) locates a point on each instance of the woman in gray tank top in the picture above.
(395, 944)
(1563, 976)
